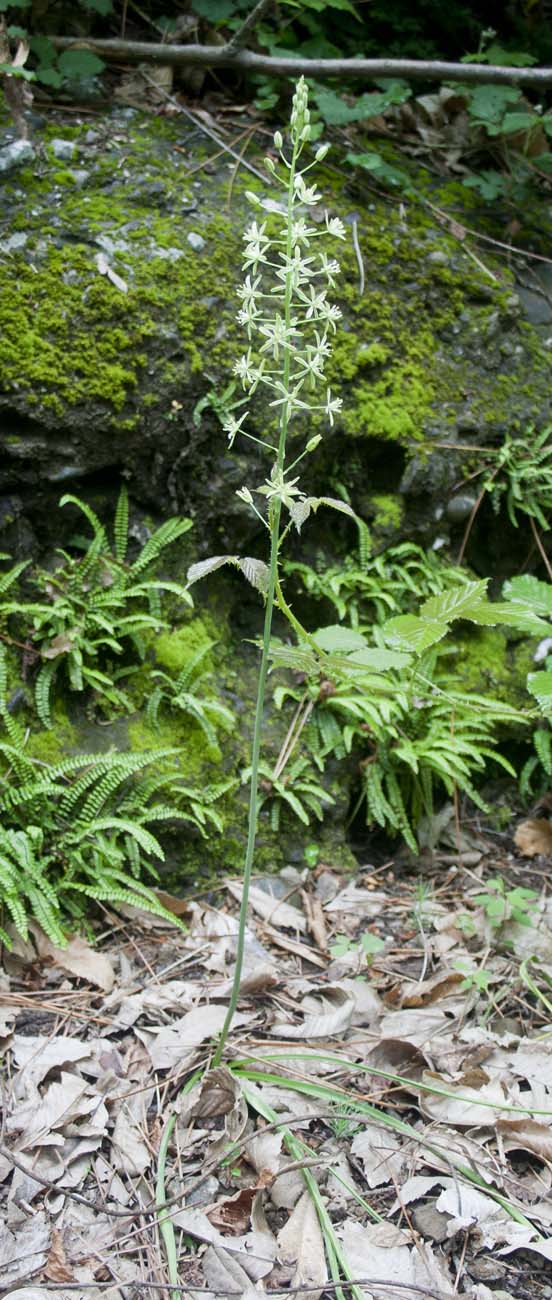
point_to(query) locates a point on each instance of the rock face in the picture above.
(119, 263)
(120, 256)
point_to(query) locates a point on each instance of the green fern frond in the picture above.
(120, 527)
(139, 833)
(164, 536)
(43, 686)
(97, 528)
(8, 579)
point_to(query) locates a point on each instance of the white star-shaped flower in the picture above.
(232, 426)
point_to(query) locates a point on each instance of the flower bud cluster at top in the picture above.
(284, 305)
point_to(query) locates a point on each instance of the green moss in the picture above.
(388, 511)
(173, 650)
(57, 743)
(197, 760)
(489, 662)
(374, 354)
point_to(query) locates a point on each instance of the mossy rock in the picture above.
(124, 318)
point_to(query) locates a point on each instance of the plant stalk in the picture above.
(275, 510)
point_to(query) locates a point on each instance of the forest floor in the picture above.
(383, 1118)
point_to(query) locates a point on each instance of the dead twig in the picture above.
(222, 56)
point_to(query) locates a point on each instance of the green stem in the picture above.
(274, 517)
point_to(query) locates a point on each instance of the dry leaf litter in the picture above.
(418, 1093)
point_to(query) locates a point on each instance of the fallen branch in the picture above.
(226, 56)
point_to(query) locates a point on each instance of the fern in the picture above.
(91, 609)
(182, 694)
(81, 829)
(120, 527)
(166, 535)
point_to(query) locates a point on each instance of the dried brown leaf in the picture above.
(327, 1014)
(233, 1213)
(381, 1154)
(56, 1268)
(80, 959)
(533, 837)
(300, 1241)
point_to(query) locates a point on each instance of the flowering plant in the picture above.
(289, 324)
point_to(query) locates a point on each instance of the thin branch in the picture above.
(306, 1289)
(237, 41)
(544, 556)
(211, 56)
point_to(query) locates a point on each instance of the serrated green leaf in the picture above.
(200, 570)
(414, 633)
(530, 591)
(540, 686)
(495, 613)
(455, 603)
(256, 572)
(340, 639)
(380, 661)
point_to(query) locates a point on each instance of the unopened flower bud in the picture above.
(313, 442)
(253, 198)
(278, 140)
(321, 152)
(270, 166)
(305, 133)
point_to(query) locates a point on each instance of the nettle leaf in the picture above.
(200, 570)
(340, 639)
(80, 63)
(335, 503)
(380, 661)
(414, 633)
(455, 603)
(489, 614)
(540, 686)
(300, 511)
(530, 591)
(298, 658)
(256, 572)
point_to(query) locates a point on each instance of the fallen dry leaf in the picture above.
(327, 1014)
(56, 1268)
(533, 837)
(233, 1212)
(270, 908)
(300, 1242)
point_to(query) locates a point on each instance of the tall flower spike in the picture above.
(288, 318)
